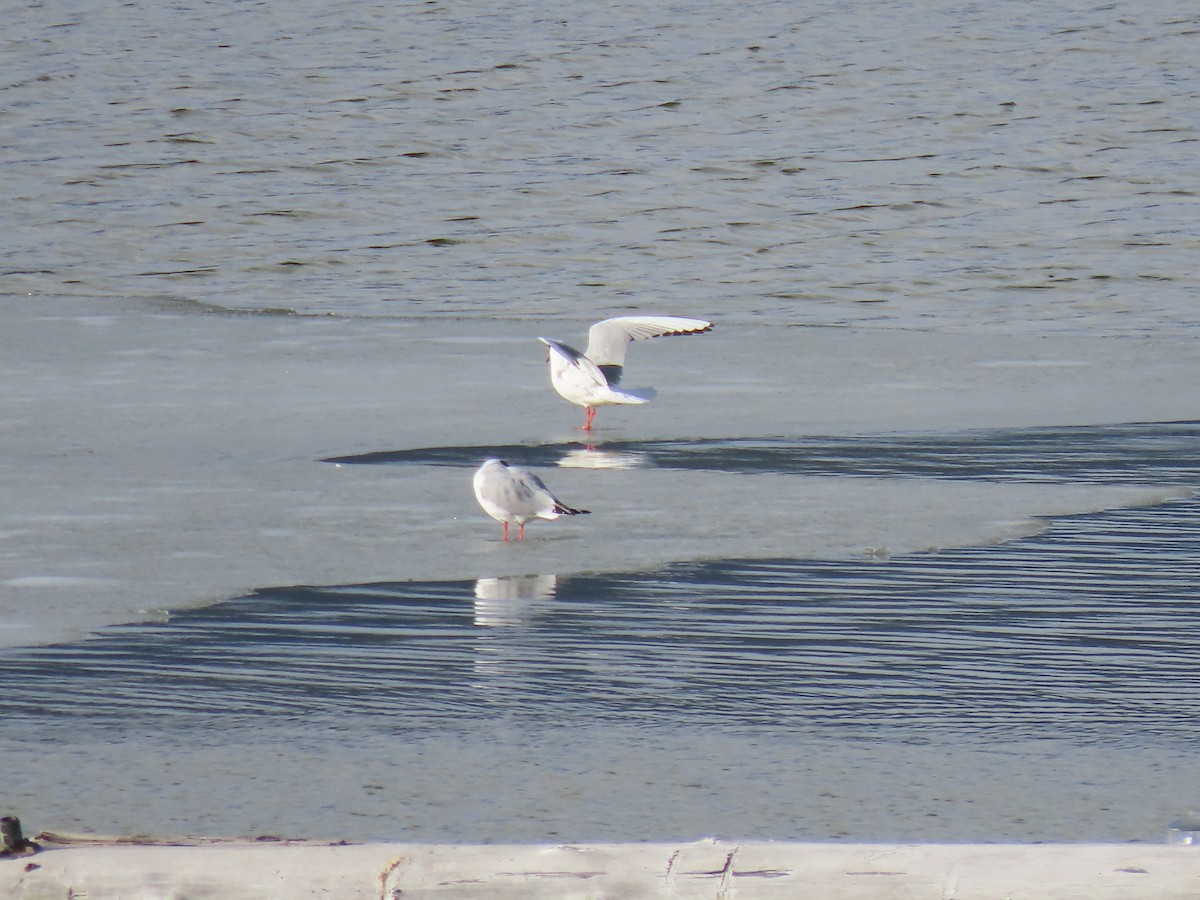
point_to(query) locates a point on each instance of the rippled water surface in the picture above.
(1089, 632)
(960, 165)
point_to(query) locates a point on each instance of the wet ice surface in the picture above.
(1096, 454)
(158, 458)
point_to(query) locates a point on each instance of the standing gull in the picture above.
(510, 494)
(590, 379)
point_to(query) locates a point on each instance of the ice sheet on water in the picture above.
(175, 458)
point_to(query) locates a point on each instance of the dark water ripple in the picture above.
(1089, 631)
(1164, 452)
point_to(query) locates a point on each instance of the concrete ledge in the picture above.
(714, 870)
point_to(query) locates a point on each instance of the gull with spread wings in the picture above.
(592, 378)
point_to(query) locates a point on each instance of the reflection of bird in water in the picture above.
(508, 599)
(590, 458)
(516, 587)
(590, 379)
(510, 494)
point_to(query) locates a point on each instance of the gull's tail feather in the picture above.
(563, 510)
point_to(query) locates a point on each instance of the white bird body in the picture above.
(513, 496)
(591, 379)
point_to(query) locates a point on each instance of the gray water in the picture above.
(1003, 169)
(946, 164)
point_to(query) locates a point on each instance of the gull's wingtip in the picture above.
(695, 326)
(641, 327)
